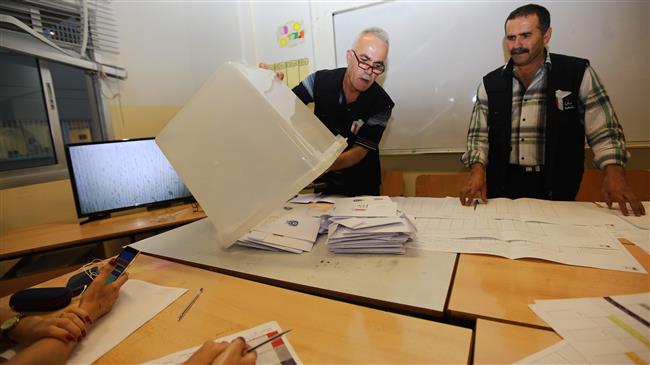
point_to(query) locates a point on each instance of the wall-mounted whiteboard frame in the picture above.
(614, 35)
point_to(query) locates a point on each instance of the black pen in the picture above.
(475, 203)
(267, 341)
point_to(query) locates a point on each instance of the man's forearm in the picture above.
(477, 167)
(349, 158)
(614, 171)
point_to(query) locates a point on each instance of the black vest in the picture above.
(565, 132)
(363, 178)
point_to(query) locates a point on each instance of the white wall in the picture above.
(266, 18)
(323, 29)
(170, 48)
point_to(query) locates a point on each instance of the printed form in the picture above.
(571, 245)
(278, 352)
(606, 330)
(529, 210)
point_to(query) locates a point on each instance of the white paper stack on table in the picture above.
(370, 224)
(292, 232)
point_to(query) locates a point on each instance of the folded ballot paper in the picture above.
(292, 233)
(369, 225)
(312, 198)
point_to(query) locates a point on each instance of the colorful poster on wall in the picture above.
(290, 34)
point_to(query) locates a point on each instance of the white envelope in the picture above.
(294, 226)
(365, 206)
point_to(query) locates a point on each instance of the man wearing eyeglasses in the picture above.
(350, 103)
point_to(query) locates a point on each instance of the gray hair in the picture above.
(375, 31)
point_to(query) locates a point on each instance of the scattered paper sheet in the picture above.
(606, 253)
(513, 230)
(642, 222)
(639, 237)
(607, 330)
(528, 210)
(560, 353)
(419, 207)
(139, 301)
(278, 352)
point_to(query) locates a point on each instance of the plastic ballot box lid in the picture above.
(244, 144)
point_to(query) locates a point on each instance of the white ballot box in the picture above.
(244, 144)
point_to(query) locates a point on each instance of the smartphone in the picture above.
(124, 259)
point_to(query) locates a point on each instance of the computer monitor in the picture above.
(116, 175)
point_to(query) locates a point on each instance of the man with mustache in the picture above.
(350, 103)
(530, 119)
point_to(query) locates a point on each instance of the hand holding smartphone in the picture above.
(124, 259)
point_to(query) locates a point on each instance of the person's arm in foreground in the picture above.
(223, 353)
(97, 300)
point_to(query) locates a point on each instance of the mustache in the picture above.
(519, 51)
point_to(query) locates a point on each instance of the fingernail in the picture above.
(88, 319)
(69, 338)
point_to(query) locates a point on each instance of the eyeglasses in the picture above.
(377, 70)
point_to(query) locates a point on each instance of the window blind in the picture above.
(66, 31)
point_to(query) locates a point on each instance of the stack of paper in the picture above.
(364, 206)
(369, 225)
(292, 233)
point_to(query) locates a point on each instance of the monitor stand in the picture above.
(95, 217)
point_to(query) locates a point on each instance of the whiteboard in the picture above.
(439, 52)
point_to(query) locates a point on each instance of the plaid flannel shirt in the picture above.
(602, 129)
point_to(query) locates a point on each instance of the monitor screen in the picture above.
(115, 175)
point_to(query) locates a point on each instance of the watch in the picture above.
(9, 324)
